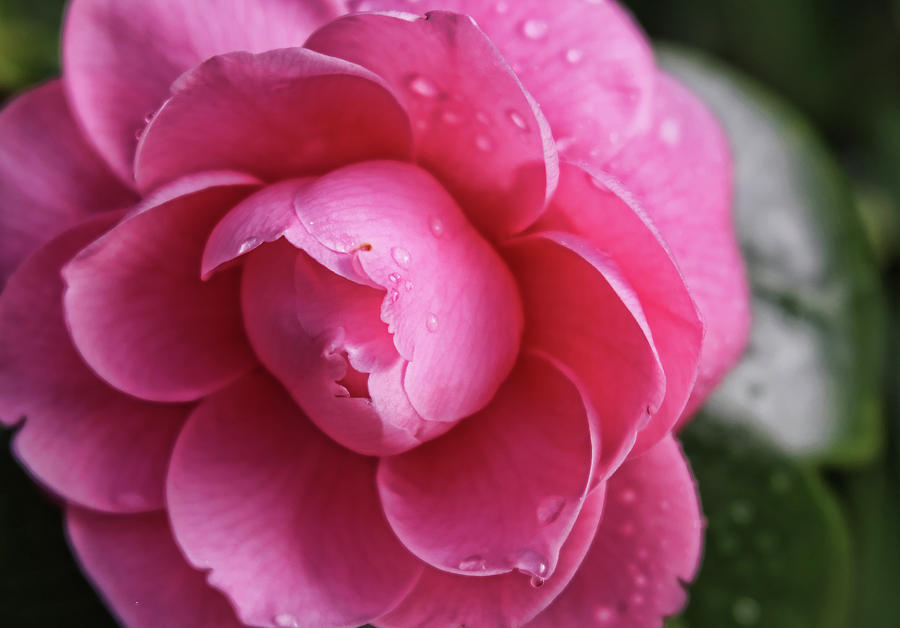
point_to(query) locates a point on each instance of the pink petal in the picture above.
(442, 599)
(49, 177)
(410, 238)
(140, 573)
(311, 365)
(583, 311)
(287, 521)
(120, 57)
(647, 545)
(278, 114)
(85, 441)
(503, 489)
(586, 63)
(614, 224)
(139, 313)
(680, 172)
(475, 127)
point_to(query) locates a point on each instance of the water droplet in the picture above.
(628, 496)
(473, 563)
(148, 117)
(422, 86)
(636, 599)
(393, 277)
(437, 227)
(395, 296)
(248, 245)
(401, 256)
(431, 323)
(536, 582)
(408, 285)
(483, 143)
(501, 8)
(627, 529)
(741, 512)
(286, 620)
(640, 580)
(451, 117)
(574, 55)
(531, 563)
(482, 117)
(138, 134)
(670, 132)
(604, 614)
(516, 118)
(564, 143)
(549, 509)
(534, 29)
(746, 611)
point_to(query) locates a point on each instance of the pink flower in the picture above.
(390, 326)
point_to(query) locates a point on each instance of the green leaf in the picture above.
(777, 550)
(811, 377)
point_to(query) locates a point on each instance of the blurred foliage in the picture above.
(29, 40)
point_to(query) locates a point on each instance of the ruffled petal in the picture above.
(120, 57)
(405, 234)
(137, 309)
(50, 178)
(582, 310)
(287, 521)
(586, 63)
(278, 114)
(135, 564)
(648, 544)
(680, 173)
(503, 489)
(443, 599)
(85, 441)
(475, 127)
(613, 223)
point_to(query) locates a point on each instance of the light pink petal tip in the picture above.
(135, 564)
(279, 114)
(679, 171)
(503, 489)
(121, 56)
(586, 62)
(137, 309)
(648, 544)
(475, 127)
(85, 441)
(288, 522)
(50, 178)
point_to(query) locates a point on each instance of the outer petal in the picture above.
(503, 489)
(443, 599)
(288, 522)
(279, 114)
(585, 61)
(582, 311)
(648, 544)
(87, 442)
(475, 127)
(613, 223)
(409, 237)
(136, 566)
(50, 177)
(680, 172)
(120, 56)
(139, 313)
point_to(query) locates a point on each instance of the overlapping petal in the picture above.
(278, 114)
(121, 56)
(134, 563)
(647, 545)
(87, 442)
(50, 177)
(287, 521)
(137, 309)
(475, 127)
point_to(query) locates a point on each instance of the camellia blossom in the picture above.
(322, 315)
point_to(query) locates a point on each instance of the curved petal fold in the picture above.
(475, 126)
(85, 441)
(647, 546)
(50, 177)
(137, 309)
(287, 522)
(134, 563)
(121, 56)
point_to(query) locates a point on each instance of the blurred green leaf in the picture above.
(811, 376)
(777, 552)
(29, 42)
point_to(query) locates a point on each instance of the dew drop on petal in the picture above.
(395, 296)
(640, 580)
(483, 143)
(501, 7)
(286, 620)
(422, 86)
(436, 226)
(637, 599)
(516, 118)
(549, 509)
(408, 285)
(574, 55)
(450, 117)
(431, 323)
(248, 245)
(604, 615)
(531, 563)
(401, 256)
(628, 496)
(670, 132)
(534, 28)
(393, 277)
(473, 563)
(482, 117)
